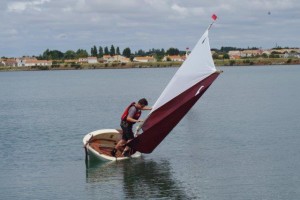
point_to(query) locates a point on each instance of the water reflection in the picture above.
(139, 178)
(100, 171)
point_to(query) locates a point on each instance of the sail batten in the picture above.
(188, 84)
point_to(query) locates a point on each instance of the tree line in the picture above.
(100, 52)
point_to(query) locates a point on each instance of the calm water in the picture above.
(240, 141)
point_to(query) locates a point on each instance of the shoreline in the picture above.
(227, 62)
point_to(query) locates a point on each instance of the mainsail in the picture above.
(189, 83)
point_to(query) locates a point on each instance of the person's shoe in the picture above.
(113, 152)
(126, 153)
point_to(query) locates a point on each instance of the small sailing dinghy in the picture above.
(189, 83)
(100, 143)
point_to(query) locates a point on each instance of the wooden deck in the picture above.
(105, 147)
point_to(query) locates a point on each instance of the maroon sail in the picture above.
(189, 83)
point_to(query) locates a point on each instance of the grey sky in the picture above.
(29, 27)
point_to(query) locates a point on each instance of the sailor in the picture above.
(130, 116)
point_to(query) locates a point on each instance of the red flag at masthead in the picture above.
(214, 17)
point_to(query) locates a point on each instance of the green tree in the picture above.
(53, 55)
(46, 54)
(81, 53)
(100, 52)
(106, 52)
(69, 54)
(126, 52)
(215, 56)
(226, 56)
(118, 51)
(140, 52)
(172, 51)
(227, 49)
(94, 51)
(157, 53)
(112, 50)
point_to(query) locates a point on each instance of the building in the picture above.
(83, 60)
(266, 52)
(118, 58)
(11, 62)
(251, 53)
(106, 58)
(291, 55)
(92, 60)
(32, 61)
(176, 58)
(115, 58)
(71, 61)
(234, 54)
(144, 59)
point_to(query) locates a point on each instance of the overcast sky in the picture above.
(29, 27)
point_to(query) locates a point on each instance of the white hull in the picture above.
(99, 143)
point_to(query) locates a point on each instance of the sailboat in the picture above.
(188, 84)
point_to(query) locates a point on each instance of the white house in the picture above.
(9, 62)
(175, 58)
(92, 60)
(106, 58)
(291, 55)
(118, 58)
(83, 60)
(144, 59)
(234, 54)
(250, 53)
(29, 62)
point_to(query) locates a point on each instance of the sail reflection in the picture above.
(139, 178)
(151, 179)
